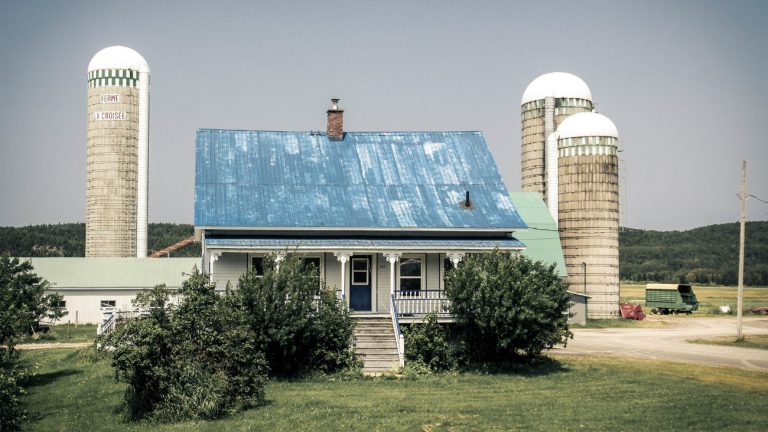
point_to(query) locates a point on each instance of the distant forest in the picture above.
(68, 240)
(703, 255)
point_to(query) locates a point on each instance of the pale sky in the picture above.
(685, 82)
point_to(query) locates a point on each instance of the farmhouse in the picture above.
(380, 214)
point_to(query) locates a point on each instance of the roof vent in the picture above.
(467, 204)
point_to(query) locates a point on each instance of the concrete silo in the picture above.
(587, 208)
(547, 101)
(118, 154)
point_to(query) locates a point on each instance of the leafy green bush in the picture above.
(11, 413)
(299, 323)
(197, 360)
(507, 307)
(427, 343)
(23, 302)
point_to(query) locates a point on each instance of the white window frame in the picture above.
(251, 256)
(441, 262)
(422, 276)
(321, 264)
(368, 270)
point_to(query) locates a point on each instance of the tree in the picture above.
(23, 301)
(507, 307)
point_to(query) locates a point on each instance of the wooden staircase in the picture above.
(376, 345)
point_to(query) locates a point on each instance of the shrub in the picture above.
(298, 322)
(427, 343)
(507, 307)
(11, 413)
(197, 360)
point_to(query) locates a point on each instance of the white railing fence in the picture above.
(421, 302)
(399, 339)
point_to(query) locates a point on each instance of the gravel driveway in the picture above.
(670, 342)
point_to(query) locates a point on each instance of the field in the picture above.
(710, 297)
(74, 391)
(753, 341)
(64, 333)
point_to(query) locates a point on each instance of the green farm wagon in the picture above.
(670, 298)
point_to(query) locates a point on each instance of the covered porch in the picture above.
(388, 276)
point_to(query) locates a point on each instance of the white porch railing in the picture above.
(421, 302)
(399, 339)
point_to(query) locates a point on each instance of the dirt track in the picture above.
(670, 342)
(34, 346)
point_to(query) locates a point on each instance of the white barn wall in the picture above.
(84, 306)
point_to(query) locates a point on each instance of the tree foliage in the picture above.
(194, 360)
(68, 240)
(298, 322)
(701, 256)
(23, 301)
(507, 307)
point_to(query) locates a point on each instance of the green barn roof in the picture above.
(542, 239)
(112, 273)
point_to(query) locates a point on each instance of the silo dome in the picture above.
(587, 124)
(118, 57)
(558, 85)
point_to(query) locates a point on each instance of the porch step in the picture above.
(375, 344)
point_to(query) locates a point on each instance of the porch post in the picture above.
(214, 257)
(279, 257)
(392, 258)
(343, 258)
(455, 258)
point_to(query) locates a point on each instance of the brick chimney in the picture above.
(335, 122)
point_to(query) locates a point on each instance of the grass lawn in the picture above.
(71, 392)
(754, 341)
(710, 297)
(64, 333)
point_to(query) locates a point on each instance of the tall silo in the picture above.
(118, 154)
(547, 101)
(588, 208)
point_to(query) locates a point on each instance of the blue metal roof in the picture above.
(390, 180)
(381, 243)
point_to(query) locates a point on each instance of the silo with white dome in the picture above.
(569, 156)
(546, 102)
(587, 208)
(118, 154)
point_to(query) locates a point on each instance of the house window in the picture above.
(257, 265)
(108, 303)
(360, 271)
(62, 304)
(448, 265)
(410, 271)
(315, 262)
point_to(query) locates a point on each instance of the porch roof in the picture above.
(393, 244)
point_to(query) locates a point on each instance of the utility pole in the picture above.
(742, 217)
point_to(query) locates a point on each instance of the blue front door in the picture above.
(360, 283)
